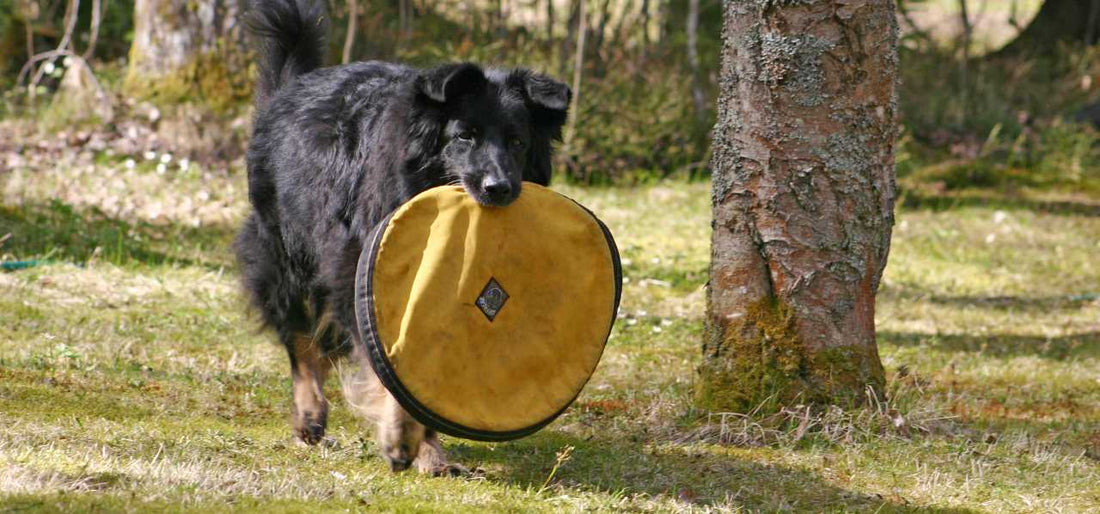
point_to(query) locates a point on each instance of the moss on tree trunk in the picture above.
(803, 196)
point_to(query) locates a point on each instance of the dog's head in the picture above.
(497, 128)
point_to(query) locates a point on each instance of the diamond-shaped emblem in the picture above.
(491, 299)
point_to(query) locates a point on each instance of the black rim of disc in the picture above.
(379, 361)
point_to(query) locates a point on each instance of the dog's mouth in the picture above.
(492, 196)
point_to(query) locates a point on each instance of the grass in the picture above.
(132, 378)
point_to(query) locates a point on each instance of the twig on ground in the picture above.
(562, 457)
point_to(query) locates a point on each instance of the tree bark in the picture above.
(803, 199)
(189, 50)
(1058, 21)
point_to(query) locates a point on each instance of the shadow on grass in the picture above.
(622, 467)
(997, 302)
(1067, 347)
(913, 199)
(58, 231)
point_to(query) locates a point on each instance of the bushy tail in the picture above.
(291, 36)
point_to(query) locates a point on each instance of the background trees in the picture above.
(650, 67)
(189, 50)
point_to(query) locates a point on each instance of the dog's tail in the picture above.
(291, 36)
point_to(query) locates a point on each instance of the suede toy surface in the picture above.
(486, 322)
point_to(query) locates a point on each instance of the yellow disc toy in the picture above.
(486, 322)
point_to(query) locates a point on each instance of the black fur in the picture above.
(335, 149)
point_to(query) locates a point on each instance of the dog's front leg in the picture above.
(308, 370)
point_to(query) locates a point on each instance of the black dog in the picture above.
(333, 151)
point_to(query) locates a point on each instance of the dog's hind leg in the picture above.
(308, 368)
(402, 440)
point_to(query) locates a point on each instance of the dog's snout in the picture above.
(498, 188)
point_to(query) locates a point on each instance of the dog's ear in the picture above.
(548, 102)
(449, 82)
(547, 93)
(547, 99)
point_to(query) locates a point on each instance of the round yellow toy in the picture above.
(486, 322)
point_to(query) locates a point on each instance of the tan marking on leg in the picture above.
(363, 391)
(310, 407)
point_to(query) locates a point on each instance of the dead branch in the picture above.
(70, 24)
(93, 38)
(349, 40)
(63, 46)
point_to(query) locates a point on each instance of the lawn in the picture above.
(132, 378)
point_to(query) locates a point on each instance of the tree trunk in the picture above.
(405, 14)
(664, 9)
(803, 202)
(1072, 21)
(189, 50)
(693, 60)
(570, 34)
(964, 61)
(550, 23)
(578, 69)
(600, 32)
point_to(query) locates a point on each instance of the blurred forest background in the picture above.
(995, 93)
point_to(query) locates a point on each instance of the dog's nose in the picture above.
(497, 188)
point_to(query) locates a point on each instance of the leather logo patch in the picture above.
(492, 298)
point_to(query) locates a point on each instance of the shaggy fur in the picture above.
(333, 151)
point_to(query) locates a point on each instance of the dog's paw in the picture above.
(325, 442)
(309, 433)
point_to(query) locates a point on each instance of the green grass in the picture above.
(133, 379)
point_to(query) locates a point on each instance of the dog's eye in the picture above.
(516, 142)
(467, 135)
